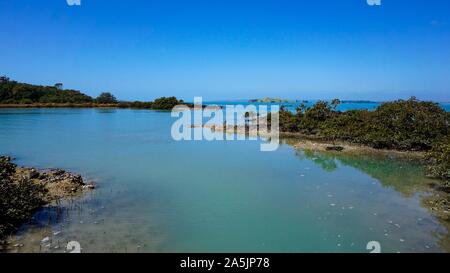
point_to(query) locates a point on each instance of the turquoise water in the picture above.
(159, 195)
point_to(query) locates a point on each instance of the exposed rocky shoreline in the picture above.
(301, 141)
(25, 190)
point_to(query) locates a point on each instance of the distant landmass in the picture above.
(17, 94)
(272, 100)
(358, 101)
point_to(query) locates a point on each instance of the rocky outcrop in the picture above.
(25, 190)
(58, 182)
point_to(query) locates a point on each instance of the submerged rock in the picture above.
(90, 186)
(335, 148)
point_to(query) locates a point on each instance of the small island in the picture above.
(272, 100)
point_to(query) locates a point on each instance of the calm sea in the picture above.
(158, 195)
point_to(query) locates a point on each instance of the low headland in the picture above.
(15, 94)
(24, 190)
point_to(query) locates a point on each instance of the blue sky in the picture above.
(231, 49)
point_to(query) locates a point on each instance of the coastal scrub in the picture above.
(23, 191)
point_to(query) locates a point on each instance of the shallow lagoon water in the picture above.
(159, 195)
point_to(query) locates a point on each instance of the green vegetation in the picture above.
(403, 125)
(406, 125)
(12, 92)
(18, 199)
(439, 157)
(106, 98)
(166, 103)
(23, 191)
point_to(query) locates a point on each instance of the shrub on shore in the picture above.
(166, 103)
(18, 199)
(409, 125)
(23, 191)
(402, 125)
(163, 103)
(106, 98)
(439, 157)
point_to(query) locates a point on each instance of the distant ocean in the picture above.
(344, 106)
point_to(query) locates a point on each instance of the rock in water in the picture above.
(335, 148)
(90, 186)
